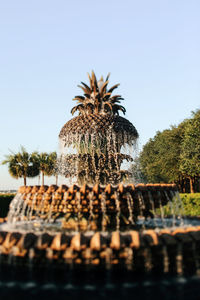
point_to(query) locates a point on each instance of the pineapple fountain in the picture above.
(102, 225)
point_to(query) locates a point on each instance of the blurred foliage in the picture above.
(47, 163)
(24, 164)
(187, 205)
(173, 156)
(191, 204)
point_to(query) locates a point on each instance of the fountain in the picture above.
(99, 231)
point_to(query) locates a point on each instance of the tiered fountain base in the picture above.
(90, 207)
(98, 242)
(100, 226)
(167, 251)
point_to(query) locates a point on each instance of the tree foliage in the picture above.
(47, 163)
(173, 155)
(190, 151)
(22, 164)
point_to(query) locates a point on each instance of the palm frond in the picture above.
(79, 98)
(106, 96)
(94, 81)
(90, 107)
(113, 88)
(117, 107)
(87, 87)
(78, 107)
(107, 76)
(87, 96)
(109, 105)
(90, 80)
(117, 96)
(83, 88)
(97, 99)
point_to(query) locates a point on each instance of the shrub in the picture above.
(182, 204)
(191, 204)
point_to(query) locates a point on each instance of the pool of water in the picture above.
(157, 223)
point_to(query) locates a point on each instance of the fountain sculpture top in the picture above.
(97, 136)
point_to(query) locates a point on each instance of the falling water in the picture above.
(40, 210)
(152, 208)
(78, 198)
(93, 158)
(91, 214)
(49, 214)
(130, 207)
(103, 210)
(30, 214)
(118, 211)
(141, 207)
(171, 208)
(161, 209)
(83, 204)
(180, 207)
(24, 207)
(177, 206)
(15, 206)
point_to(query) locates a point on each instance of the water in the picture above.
(93, 158)
(109, 213)
(130, 205)
(15, 207)
(103, 210)
(118, 210)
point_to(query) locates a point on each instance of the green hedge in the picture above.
(187, 205)
(191, 204)
(5, 200)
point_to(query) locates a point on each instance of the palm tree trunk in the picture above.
(56, 179)
(42, 178)
(25, 180)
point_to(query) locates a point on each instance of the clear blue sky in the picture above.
(47, 47)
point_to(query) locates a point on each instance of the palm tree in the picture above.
(22, 164)
(47, 162)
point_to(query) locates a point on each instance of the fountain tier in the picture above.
(95, 206)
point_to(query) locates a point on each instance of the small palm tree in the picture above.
(47, 162)
(22, 164)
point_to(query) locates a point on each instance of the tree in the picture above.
(190, 151)
(160, 157)
(22, 164)
(47, 163)
(149, 161)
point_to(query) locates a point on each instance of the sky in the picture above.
(151, 47)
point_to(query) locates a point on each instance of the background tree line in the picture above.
(24, 164)
(173, 156)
